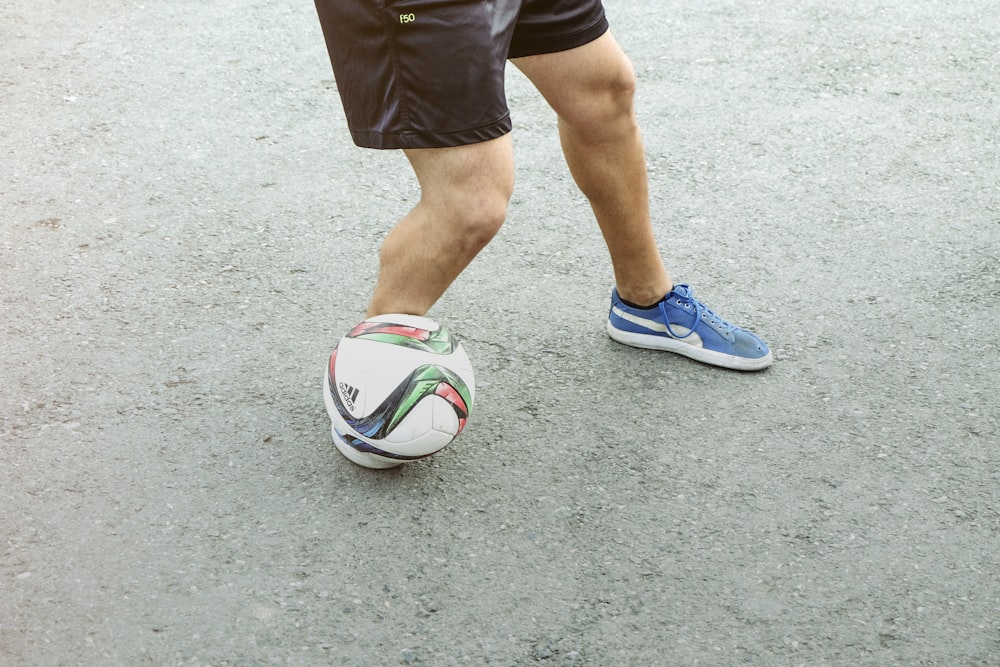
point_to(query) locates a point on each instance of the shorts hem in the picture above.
(542, 45)
(430, 138)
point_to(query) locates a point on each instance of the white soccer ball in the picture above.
(398, 388)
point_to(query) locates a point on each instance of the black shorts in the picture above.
(430, 73)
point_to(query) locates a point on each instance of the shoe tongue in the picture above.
(682, 291)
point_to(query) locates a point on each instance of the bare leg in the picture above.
(591, 89)
(463, 202)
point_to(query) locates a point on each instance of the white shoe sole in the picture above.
(667, 344)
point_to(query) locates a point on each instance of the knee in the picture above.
(464, 191)
(478, 216)
(620, 87)
(472, 216)
(607, 104)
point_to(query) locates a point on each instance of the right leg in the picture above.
(464, 192)
(429, 79)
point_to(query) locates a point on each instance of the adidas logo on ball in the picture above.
(349, 394)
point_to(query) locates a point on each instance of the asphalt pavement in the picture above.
(186, 231)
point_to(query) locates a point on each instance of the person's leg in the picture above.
(591, 89)
(428, 78)
(464, 192)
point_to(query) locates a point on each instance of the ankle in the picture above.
(643, 298)
(643, 305)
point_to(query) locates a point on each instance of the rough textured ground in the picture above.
(186, 231)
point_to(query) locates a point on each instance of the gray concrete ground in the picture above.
(186, 231)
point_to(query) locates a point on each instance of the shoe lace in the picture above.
(682, 297)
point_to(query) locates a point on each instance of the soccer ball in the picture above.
(398, 388)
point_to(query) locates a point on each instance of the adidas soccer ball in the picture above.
(398, 388)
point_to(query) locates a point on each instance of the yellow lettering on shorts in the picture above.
(407, 18)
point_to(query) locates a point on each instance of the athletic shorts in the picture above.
(430, 73)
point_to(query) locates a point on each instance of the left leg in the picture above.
(591, 89)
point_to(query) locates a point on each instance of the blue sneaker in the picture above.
(682, 324)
